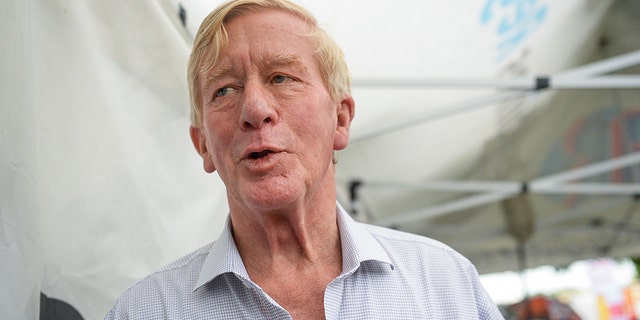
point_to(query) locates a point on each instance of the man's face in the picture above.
(269, 126)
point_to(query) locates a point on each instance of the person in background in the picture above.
(271, 103)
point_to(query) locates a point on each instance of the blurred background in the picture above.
(509, 130)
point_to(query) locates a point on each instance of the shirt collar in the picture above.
(223, 257)
(357, 246)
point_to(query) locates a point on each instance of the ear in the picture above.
(200, 143)
(346, 112)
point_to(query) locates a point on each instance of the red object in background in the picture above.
(541, 307)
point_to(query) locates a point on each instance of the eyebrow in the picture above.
(218, 73)
(286, 60)
(272, 61)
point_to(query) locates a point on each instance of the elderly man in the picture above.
(271, 104)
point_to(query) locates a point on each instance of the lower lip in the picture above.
(263, 163)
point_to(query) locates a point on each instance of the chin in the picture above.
(272, 196)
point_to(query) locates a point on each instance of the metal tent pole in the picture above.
(508, 190)
(577, 78)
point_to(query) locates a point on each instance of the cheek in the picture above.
(315, 128)
(218, 135)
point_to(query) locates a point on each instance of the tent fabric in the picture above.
(530, 135)
(100, 183)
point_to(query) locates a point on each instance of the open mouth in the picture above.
(258, 155)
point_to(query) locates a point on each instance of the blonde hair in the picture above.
(211, 41)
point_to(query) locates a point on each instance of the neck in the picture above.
(286, 241)
(292, 253)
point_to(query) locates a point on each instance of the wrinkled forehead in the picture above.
(268, 38)
(279, 23)
(268, 60)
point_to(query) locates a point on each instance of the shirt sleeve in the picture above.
(487, 308)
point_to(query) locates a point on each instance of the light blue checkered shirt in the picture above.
(386, 274)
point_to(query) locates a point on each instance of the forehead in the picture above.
(267, 20)
(269, 35)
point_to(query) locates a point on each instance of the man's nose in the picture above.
(258, 107)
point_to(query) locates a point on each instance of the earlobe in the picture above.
(200, 144)
(345, 114)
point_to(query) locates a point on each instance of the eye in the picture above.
(223, 91)
(280, 78)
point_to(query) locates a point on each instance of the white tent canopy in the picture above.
(466, 113)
